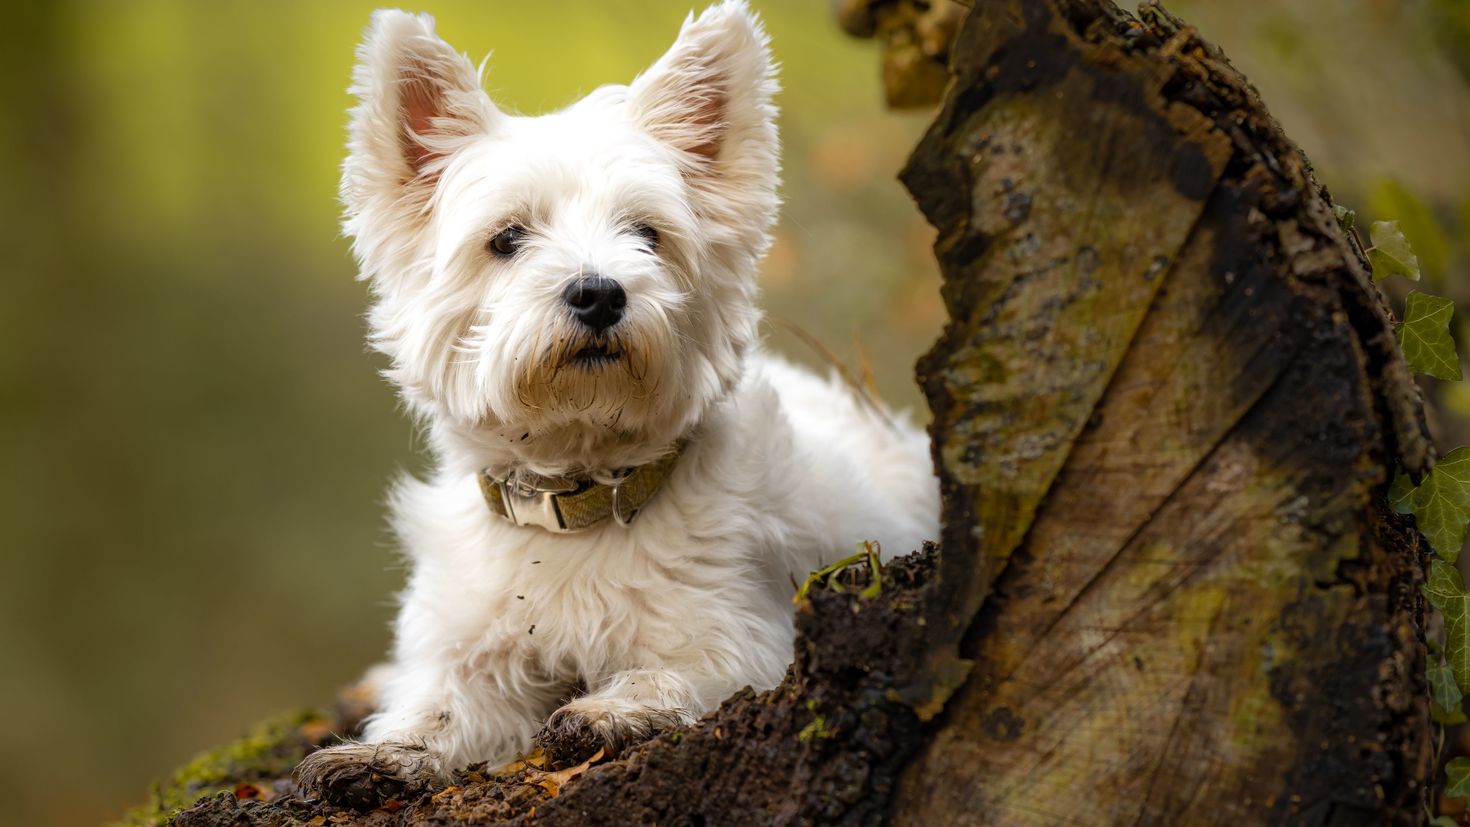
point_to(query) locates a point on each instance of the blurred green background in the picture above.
(195, 441)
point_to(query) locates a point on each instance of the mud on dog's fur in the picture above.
(483, 234)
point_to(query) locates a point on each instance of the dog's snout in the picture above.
(596, 301)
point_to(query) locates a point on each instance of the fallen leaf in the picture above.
(245, 789)
(552, 782)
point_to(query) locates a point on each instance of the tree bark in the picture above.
(1166, 408)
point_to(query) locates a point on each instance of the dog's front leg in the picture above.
(432, 721)
(625, 709)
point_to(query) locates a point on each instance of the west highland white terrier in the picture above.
(626, 487)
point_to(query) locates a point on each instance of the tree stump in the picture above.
(1168, 591)
(1167, 405)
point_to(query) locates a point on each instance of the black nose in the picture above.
(596, 301)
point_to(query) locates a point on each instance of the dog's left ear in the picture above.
(710, 98)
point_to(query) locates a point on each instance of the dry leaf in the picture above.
(245, 789)
(552, 782)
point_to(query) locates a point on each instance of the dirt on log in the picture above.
(1168, 590)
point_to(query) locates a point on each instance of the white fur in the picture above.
(783, 471)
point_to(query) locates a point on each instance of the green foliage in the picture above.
(1441, 504)
(1447, 717)
(1442, 686)
(1390, 254)
(1425, 336)
(1346, 218)
(1458, 771)
(1418, 222)
(867, 552)
(1446, 592)
(1400, 493)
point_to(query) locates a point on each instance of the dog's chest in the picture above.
(567, 601)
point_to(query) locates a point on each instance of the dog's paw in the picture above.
(363, 776)
(575, 732)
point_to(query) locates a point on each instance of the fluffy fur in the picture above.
(657, 622)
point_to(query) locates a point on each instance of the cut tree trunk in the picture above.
(1166, 407)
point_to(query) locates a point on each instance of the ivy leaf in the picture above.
(1441, 504)
(1425, 336)
(1442, 687)
(1401, 493)
(1447, 717)
(1446, 591)
(1391, 254)
(1346, 218)
(1458, 771)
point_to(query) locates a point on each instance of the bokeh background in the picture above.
(193, 440)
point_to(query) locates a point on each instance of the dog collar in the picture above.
(563, 505)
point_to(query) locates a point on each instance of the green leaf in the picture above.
(1391, 254)
(1425, 336)
(1346, 218)
(1441, 504)
(1432, 242)
(1447, 717)
(1442, 687)
(1401, 493)
(1446, 591)
(1444, 821)
(1458, 771)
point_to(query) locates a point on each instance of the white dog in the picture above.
(626, 488)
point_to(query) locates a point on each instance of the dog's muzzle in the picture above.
(564, 505)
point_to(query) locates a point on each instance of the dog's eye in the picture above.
(648, 234)
(507, 241)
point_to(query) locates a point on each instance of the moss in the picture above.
(270, 751)
(817, 729)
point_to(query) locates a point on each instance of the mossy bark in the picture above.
(1166, 407)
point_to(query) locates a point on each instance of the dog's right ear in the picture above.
(419, 101)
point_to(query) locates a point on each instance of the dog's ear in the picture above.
(710, 98)
(418, 101)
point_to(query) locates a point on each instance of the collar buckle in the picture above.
(534, 503)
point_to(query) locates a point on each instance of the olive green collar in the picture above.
(563, 505)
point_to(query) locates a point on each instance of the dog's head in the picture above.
(585, 277)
